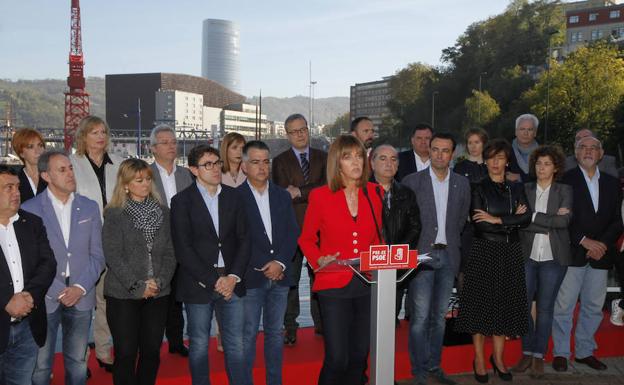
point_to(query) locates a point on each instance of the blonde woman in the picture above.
(139, 253)
(232, 156)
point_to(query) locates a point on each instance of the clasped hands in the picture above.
(225, 286)
(151, 289)
(20, 305)
(595, 249)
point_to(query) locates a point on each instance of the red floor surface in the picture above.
(303, 361)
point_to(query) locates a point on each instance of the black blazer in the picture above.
(407, 164)
(197, 245)
(26, 192)
(39, 267)
(604, 226)
(284, 232)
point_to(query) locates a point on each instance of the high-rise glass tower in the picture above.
(221, 53)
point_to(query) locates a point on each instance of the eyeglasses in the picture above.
(526, 129)
(211, 165)
(298, 131)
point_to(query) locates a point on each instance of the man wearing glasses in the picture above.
(299, 170)
(168, 180)
(210, 236)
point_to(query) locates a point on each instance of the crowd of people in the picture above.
(518, 229)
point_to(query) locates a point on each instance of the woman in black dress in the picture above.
(28, 145)
(472, 166)
(493, 299)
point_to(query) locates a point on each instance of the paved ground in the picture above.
(576, 375)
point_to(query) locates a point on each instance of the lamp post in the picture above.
(433, 108)
(479, 99)
(551, 32)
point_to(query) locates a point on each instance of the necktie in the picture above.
(305, 166)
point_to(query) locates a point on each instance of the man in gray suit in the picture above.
(444, 200)
(170, 179)
(606, 164)
(74, 228)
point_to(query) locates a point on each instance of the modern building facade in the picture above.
(180, 109)
(588, 21)
(221, 53)
(371, 99)
(243, 118)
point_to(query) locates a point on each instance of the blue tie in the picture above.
(305, 166)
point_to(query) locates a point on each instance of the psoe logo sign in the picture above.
(379, 255)
(399, 254)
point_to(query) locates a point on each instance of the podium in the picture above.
(378, 267)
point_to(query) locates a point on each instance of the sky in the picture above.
(347, 41)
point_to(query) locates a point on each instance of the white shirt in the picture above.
(63, 216)
(440, 194)
(10, 248)
(212, 204)
(592, 185)
(262, 200)
(541, 250)
(168, 181)
(420, 165)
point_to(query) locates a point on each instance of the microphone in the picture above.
(370, 204)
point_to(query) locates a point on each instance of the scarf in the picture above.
(147, 217)
(522, 155)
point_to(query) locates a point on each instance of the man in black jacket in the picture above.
(27, 268)
(595, 226)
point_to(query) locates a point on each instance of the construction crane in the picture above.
(76, 98)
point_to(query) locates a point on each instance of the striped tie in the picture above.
(305, 166)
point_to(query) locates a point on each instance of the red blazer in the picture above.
(328, 228)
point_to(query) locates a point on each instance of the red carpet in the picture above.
(303, 362)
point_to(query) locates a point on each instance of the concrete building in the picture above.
(243, 118)
(588, 21)
(370, 99)
(221, 53)
(180, 109)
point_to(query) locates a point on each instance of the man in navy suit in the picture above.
(273, 242)
(27, 269)
(210, 238)
(74, 231)
(417, 158)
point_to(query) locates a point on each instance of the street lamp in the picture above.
(479, 99)
(433, 108)
(550, 32)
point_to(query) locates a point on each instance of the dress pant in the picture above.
(18, 360)
(138, 326)
(292, 308)
(346, 332)
(174, 330)
(101, 331)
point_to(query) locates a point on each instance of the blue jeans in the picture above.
(18, 361)
(75, 325)
(429, 294)
(543, 280)
(231, 319)
(591, 286)
(269, 301)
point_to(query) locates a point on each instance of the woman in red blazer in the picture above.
(342, 219)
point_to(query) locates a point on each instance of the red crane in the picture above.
(76, 98)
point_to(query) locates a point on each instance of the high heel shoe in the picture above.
(481, 378)
(505, 376)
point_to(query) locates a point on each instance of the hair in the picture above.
(420, 127)
(445, 136)
(6, 170)
(555, 153)
(496, 146)
(530, 117)
(292, 118)
(43, 164)
(357, 121)
(373, 153)
(255, 144)
(127, 172)
(341, 146)
(85, 126)
(157, 130)
(578, 142)
(228, 140)
(198, 151)
(22, 137)
(480, 132)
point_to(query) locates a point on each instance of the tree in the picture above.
(481, 109)
(585, 92)
(340, 126)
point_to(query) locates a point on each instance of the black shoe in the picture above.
(481, 378)
(179, 349)
(290, 337)
(560, 364)
(505, 376)
(592, 362)
(108, 367)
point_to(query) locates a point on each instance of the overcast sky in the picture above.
(348, 41)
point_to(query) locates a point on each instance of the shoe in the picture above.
(523, 364)
(537, 368)
(592, 362)
(440, 377)
(505, 376)
(290, 337)
(107, 366)
(179, 349)
(481, 378)
(88, 373)
(617, 313)
(560, 364)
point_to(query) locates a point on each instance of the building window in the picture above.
(574, 19)
(593, 16)
(614, 14)
(596, 34)
(576, 37)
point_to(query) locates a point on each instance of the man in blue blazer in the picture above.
(273, 242)
(74, 228)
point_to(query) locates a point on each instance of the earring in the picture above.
(126, 190)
